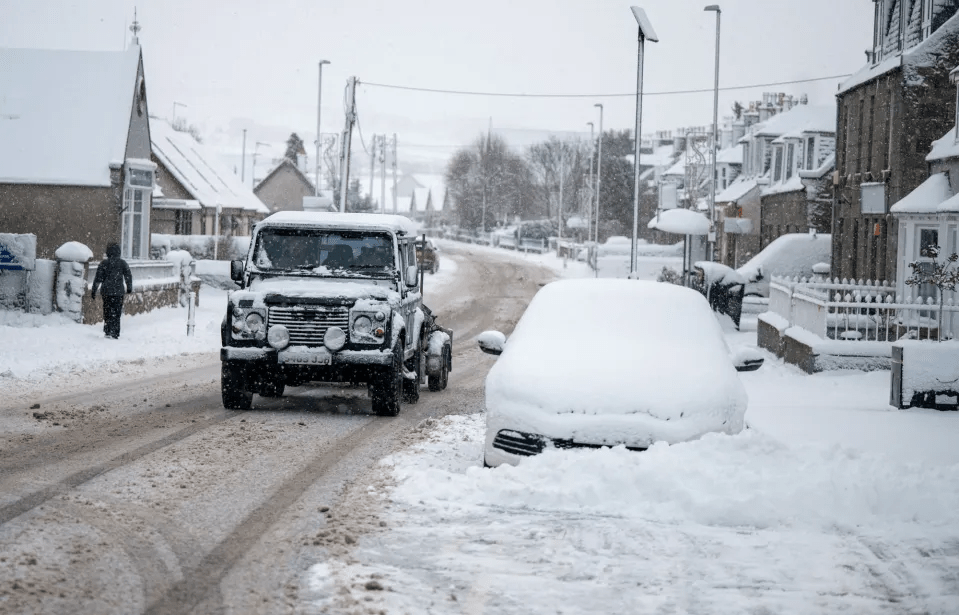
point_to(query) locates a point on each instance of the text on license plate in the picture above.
(307, 358)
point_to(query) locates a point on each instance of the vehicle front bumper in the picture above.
(343, 357)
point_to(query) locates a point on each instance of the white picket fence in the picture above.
(861, 310)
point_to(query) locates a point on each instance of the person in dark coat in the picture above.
(113, 274)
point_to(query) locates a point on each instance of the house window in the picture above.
(790, 159)
(926, 18)
(135, 218)
(746, 169)
(182, 222)
(877, 33)
(928, 237)
(778, 169)
(871, 128)
(810, 152)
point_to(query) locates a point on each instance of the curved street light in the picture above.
(645, 32)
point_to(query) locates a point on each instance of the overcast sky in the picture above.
(253, 63)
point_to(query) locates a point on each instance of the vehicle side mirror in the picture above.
(236, 271)
(747, 359)
(411, 273)
(491, 342)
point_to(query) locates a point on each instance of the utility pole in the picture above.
(373, 170)
(562, 172)
(347, 140)
(394, 172)
(319, 99)
(485, 167)
(383, 173)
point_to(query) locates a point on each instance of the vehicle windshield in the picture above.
(324, 252)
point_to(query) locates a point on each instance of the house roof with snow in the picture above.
(946, 146)
(798, 120)
(924, 53)
(730, 155)
(737, 190)
(65, 115)
(931, 196)
(199, 170)
(286, 163)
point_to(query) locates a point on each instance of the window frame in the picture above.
(135, 209)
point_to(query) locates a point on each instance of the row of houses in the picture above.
(877, 168)
(82, 159)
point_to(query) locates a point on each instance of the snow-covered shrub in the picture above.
(670, 276)
(71, 286)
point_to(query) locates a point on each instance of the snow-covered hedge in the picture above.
(200, 246)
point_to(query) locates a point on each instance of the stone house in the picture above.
(284, 187)
(929, 215)
(784, 184)
(193, 185)
(889, 114)
(75, 149)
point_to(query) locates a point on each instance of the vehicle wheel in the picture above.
(272, 386)
(387, 388)
(233, 387)
(411, 388)
(438, 382)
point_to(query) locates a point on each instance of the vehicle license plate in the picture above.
(305, 358)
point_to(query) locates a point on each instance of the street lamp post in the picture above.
(592, 185)
(319, 99)
(645, 32)
(714, 145)
(599, 167)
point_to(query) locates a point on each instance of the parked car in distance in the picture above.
(426, 255)
(722, 286)
(604, 362)
(793, 254)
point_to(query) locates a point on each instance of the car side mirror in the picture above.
(491, 342)
(236, 271)
(411, 273)
(747, 359)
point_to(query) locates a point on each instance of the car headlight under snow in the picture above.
(362, 325)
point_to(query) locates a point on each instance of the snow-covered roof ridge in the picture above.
(199, 170)
(800, 119)
(279, 165)
(64, 114)
(730, 155)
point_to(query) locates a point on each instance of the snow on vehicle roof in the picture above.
(717, 272)
(65, 114)
(382, 222)
(680, 222)
(793, 254)
(617, 347)
(199, 170)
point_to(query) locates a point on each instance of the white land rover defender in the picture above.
(331, 297)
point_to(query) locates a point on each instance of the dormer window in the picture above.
(778, 167)
(926, 18)
(790, 159)
(810, 152)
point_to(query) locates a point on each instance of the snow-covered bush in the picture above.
(201, 246)
(670, 276)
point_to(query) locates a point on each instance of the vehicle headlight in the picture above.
(362, 325)
(278, 337)
(334, 339)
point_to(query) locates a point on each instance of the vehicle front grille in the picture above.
(528, 444)
(308, 323)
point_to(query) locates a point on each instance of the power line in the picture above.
(630, 94)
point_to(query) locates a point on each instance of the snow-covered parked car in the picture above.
(791, 255)
(604, 362)
(331, 297)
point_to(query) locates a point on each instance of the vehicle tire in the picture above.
(272, 386)
(411, 388)
(386, 389)
(233, 387)
(438, 382)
